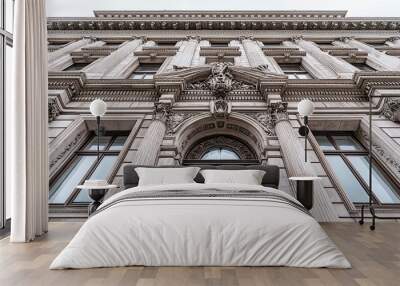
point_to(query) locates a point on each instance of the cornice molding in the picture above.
(223, 20)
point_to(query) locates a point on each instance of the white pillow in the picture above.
(166, 176)
(248, 177)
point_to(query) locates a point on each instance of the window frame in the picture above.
(144, 73)
(295, 72)
(69, 202)
(364, 152)
(6, 40)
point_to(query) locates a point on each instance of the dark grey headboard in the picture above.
(270, 179)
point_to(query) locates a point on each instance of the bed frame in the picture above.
(270, 179)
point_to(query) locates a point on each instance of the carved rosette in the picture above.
(391, 109)
(53, 109)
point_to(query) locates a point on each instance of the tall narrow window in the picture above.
(349, 160)
(364, 67)
(295, 71)
(145, 71)
(76, 67)
(6, 46)
(85, 166)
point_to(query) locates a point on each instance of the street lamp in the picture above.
(98, 108)
(305, 108)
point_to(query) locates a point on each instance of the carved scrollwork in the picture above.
(175, 119)
(391, 109)
(162, 111)
(381, 152)
(278, 111)
(265, 119)
(53, 109)
(221, 81)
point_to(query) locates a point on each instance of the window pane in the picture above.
(304, 76)
(324, 142)
(381, 187)
(101, 173)
(65, 184)
(76, 67)
(220, 154)
(148, 76)
(104, 141)
(8, 85)
(347, 143)
(137, 76)
(118, 143)
(9, 15)
(348, 181)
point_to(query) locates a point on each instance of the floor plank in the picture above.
(375, 257)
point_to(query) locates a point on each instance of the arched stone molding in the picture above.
(203, 125)
(199, 148)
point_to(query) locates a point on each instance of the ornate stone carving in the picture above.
(241, 149)
(70, 146)
(381, 152)
(221, 81)
(53, 109)
(220, 108)
(175, 119)
(162, 111)
(391, 109)
(265, 119)
(278, 111)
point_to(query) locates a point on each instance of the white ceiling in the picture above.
(356, 8)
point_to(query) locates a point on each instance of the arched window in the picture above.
(220, 153)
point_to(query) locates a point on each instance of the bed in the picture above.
(201, 224)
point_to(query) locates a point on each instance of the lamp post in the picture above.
(98, 108)
(305, 108)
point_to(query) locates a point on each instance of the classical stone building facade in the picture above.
(205, 86)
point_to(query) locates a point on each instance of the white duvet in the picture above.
(200, 231)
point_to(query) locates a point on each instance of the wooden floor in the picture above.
(375, 257)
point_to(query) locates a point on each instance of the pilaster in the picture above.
(376, 59)
(312, 65)
(105, 65)
(242, 59)
(339, 66)
(197, 59)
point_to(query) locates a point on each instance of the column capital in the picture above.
(392, 39)
(278, 111)
(345, 39)
(242, 38)
(297, 38)
(162, 110)
(195, 38)
(391, 109)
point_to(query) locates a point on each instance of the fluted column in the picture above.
(256, 56)
(293, 155)
(149, 148)
(342, 68)
(376, 59)
(312, 65)
(185, 54)
(108, 63)
(242, 59)
(393, 42)
(197, 59)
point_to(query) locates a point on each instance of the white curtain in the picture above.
(26, 119)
